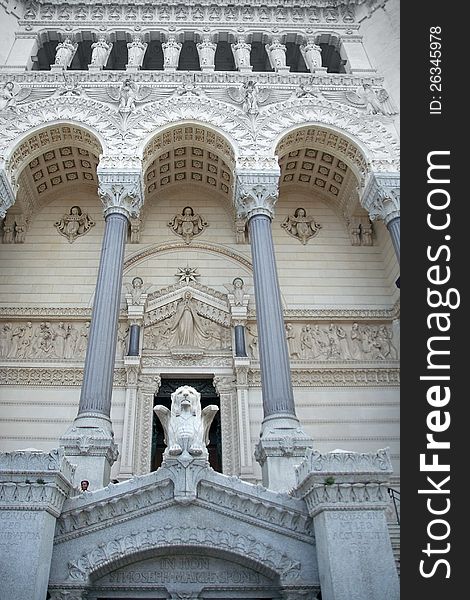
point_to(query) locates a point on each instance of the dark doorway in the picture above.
(208, 396)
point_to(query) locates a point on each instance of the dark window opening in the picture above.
(46, 56)
(294, 58)
(208, 396)
(259, 57)
(82, 57)
(224, 60)
(153, 57)
(117, 60)
(189, 58)
(331, 59)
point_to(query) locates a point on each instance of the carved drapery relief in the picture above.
(301, 226)
(335, 342)
(75, 224)
(187, 224)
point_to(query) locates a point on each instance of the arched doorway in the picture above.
(209, 395)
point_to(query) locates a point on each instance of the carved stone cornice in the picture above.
(342, 480)
(381, 196)
(34, 480)
(121, 191)
(256, 193)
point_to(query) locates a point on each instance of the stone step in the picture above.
(394, 531)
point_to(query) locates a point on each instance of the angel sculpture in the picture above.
(8, 95)
(301, 226)
(136, 290)
(248, 96)
(185, 426)
(64, 53)
(187, 224)
(128, 95)
(375, 102)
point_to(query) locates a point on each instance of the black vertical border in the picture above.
(421, 133)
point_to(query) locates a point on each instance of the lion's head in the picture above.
(185, 398)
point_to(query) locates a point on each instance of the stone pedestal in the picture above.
(346, 494)
(33, 488)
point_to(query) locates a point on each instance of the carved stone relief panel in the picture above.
(334, 342)
(74, 224)
(186, 321)
(187, 224)
(300, 225)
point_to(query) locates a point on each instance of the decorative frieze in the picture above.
(51, 377)
(338, 377)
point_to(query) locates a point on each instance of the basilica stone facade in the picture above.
(199, 196)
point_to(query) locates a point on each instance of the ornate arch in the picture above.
(125, 550)
(377, 145)
(241, 259)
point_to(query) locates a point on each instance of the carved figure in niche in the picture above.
(135, 52)
(82, 339)
(5, 339)
(171, 53)
(64, 53)
(277, 54)
(20, 229)
(294, 350)
(253, 345)
(311, 53)
(186, 427)
(71, 339)
(74, 224)
(187, 224)
(60, 337)
(237, 294)
(206, 50)
(8, 229)
(300, 226)
(306, 342)
(136, 289)
(100, 52)
(9, 95)
(342, 341)
(320, 343)
(241, 53)
(188, 329)
(24, 345)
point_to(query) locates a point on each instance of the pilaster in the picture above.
(346, 494)
(33, 488)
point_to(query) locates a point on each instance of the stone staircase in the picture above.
(394, 530)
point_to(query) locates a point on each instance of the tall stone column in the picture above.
(347, 495)
(90, 441)
(282, 441)
(381, 199)
(33, 488)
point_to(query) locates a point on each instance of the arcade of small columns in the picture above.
(303, 52)
(255, 194)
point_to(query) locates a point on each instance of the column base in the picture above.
(282, 447)
(89, 444)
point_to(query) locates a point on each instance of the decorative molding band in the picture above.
(44, 377)
(336, 377)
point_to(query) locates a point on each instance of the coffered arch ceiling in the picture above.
(190, 154)
(324, 164)
(60, 157)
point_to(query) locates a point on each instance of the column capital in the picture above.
(7, 194)
(121, 191)
(381, 196)
(256, 192)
